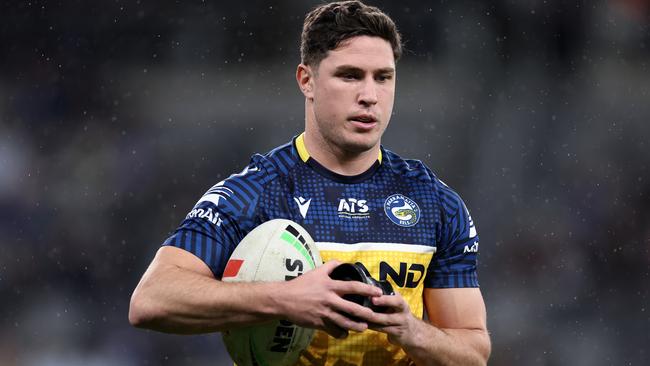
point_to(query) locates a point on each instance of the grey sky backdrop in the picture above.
(116, 116)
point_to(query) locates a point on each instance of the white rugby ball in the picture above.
(277, 250)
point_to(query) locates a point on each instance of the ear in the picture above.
(305, 79)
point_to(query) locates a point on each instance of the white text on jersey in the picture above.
(353, 208)
(472, 249)
(213, 217)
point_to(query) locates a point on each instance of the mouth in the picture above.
(363, 118)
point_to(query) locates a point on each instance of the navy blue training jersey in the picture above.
(397, 219)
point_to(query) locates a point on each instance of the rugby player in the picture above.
(361, 202)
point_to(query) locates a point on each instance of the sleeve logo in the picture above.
(472, 249)
(215, 194)
(402, 210)
(201, 213)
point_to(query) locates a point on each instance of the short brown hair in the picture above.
(327, 25)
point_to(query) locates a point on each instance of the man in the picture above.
(361, 203)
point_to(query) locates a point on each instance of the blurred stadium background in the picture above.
(116, 116)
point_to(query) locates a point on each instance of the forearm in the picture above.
(434, 346)
(177, 300)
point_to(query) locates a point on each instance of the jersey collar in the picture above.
(299, 143)
(304, 154)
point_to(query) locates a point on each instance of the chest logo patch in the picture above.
(402, 210)
(352, 208)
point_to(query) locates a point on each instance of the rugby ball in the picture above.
(277, 250)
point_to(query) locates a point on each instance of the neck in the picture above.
(337, 159)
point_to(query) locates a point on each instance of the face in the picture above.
(350, 94)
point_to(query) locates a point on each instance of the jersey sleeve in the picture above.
(220, 219)
(454, 263)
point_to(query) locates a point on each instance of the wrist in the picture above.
(276, 300)
(417, 332)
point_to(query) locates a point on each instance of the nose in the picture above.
(367, 93)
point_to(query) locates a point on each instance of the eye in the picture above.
(349, 76)
(383, 77)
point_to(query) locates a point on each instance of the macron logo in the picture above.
(303, 205)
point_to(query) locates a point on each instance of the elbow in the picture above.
(141, 313)
(485, 349)
(137, 317)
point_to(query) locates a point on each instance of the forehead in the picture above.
(365, 52)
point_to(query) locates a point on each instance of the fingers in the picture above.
(394, 302)
(344, 322)
(348, 315)
(353, 311)
(397, 309)
(381, 328)
(329, 266)
(355, 287)
(349, 287)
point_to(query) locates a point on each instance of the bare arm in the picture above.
(178, 294)
(457, 332)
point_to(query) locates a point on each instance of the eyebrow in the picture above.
(383, 70)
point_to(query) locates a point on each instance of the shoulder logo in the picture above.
(214, 195)
(402, 210)
(303, 205)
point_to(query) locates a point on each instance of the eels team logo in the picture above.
(402, 210)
